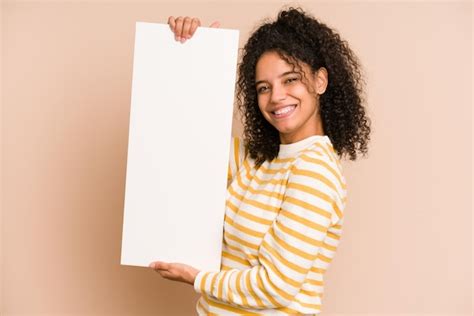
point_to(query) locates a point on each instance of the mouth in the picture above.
(284, 112)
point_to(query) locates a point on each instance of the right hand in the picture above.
(184, 27)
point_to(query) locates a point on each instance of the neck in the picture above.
(289, 138)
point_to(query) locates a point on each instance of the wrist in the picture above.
(192, 276)
(198, 281)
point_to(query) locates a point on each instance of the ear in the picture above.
(320, 80)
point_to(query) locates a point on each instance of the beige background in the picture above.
(66, 80)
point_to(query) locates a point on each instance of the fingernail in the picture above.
(152, 265)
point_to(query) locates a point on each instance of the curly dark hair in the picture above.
(298, 37)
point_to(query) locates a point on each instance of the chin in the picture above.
(284, 129)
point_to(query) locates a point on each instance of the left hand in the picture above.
(175, 271)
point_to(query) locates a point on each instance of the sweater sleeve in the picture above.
(289, 248)
(236, 157)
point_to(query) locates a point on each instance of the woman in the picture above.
(300, 92)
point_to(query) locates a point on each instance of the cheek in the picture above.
(299, 91)
(264, 114)
(261, 107)
(261, 103)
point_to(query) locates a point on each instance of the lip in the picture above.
(281, 116)
(281, 107)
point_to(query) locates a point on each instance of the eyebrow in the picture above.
(282, 75)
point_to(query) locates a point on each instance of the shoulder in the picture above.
(321, 158)
(322, 149)
(237, 150)
(319, 167)
(237, 155)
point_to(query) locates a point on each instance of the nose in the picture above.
(278, 94)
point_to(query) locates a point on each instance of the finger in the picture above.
(179, 27)
(162, 265)
(186, 27)
(166, 274)
(171, 23)
(215, 24)
(159, 265)
(194, 25)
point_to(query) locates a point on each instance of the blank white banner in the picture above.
(178, 151)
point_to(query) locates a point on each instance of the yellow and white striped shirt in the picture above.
(283, 222)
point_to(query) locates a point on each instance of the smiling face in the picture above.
(285, 100)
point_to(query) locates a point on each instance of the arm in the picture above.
(236, 157)
(288, 249)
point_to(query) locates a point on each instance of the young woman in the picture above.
(300, 92)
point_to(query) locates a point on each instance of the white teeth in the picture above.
(284, 110)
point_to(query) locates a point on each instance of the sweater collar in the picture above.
(293, 148)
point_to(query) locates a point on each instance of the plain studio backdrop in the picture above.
(66, 83)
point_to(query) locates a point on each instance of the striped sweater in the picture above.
(283, 222)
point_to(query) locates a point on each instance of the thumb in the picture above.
(215, 24)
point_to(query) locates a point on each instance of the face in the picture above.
(285, 100)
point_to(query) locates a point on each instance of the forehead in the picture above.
(271, 64)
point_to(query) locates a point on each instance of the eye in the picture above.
(261, 89)
(289, 80)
